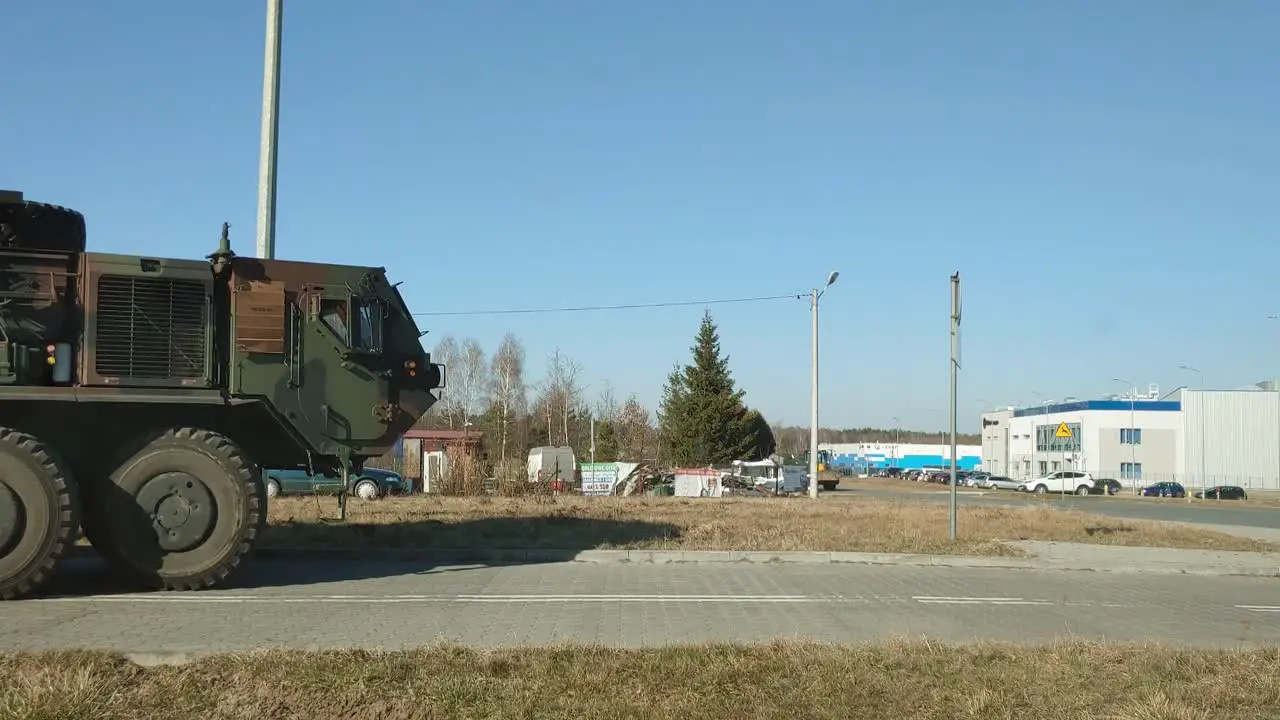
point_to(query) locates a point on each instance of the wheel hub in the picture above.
(181, 508)
(11, 516)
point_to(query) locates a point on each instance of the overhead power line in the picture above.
(591, 308)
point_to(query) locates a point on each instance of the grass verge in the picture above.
(780, 680)
(777, 524)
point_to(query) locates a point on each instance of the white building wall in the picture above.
(1232, 437)
(1094, 426)
(995, 441)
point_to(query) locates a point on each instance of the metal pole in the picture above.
(955, 347)
(270, 132)
(813, 407)
(1133, 447)
(897, 423)
(1203, 469)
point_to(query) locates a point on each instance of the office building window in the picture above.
(1131, 471)
(1130, 436)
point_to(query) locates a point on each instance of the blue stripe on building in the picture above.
(1144, 405)
(875, 461)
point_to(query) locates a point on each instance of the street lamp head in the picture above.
(832, 277)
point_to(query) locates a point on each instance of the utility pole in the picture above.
(955, 365)
(270, 132)
(813, 390)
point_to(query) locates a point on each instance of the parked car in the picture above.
(371, 484)
(1223, 492)
(1000, 482)
(1062, 481)
(1164, 489)
(1106, 486)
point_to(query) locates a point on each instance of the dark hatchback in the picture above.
(1223, 492)
(1105, 486)
(1165, 489)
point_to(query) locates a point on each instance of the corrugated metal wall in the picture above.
(1231, 438)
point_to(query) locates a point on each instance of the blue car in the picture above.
(371, 484)
(1165, 489)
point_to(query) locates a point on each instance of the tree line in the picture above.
(702, 418)
(794, 439)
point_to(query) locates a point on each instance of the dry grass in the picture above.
(781, 680)
(777, 524)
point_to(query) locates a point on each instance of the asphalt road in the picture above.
(1167, 509)
(397, 605)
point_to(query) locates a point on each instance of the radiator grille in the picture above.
(150, 327)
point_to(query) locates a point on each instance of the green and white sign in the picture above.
(599, 478)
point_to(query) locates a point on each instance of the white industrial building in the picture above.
(1195, 437)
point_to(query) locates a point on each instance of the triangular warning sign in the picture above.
(1063, 431)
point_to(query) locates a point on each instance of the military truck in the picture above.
(140, 397)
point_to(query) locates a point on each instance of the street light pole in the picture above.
(955, 365)
(1203, 472)
(1133, 395)
(270, 132)
(813, 407)
(897, 423)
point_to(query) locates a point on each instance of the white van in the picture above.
(553, 462)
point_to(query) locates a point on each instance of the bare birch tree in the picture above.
(606, 405)
(507, 387)
(473, 381)
(446, 353)
(634, 431)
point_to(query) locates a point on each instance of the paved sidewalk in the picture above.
(1045, 556)
(382, 605)
(1122, 559)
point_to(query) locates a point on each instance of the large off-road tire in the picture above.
(180, 513)
(40, 226)
(39, 513)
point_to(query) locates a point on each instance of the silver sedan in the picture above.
(996, 482)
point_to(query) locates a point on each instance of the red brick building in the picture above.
(428, 446)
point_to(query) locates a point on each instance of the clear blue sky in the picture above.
(1105, 175)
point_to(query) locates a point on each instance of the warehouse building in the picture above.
(1195, 437)
(862, 457)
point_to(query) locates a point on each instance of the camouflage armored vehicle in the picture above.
(140, 396)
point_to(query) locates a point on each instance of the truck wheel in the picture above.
(182, 512)
(34, 225)
(39, 513)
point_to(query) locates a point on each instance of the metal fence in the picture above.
(1190, 481)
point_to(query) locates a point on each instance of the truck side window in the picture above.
(369, 317)
(334, 314)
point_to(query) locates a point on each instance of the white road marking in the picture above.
(202, 599)
(561, 598)
(953, 600)
(1260, 608)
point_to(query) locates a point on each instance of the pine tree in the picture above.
(606, 442)
(763, 444)
(704, 421)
